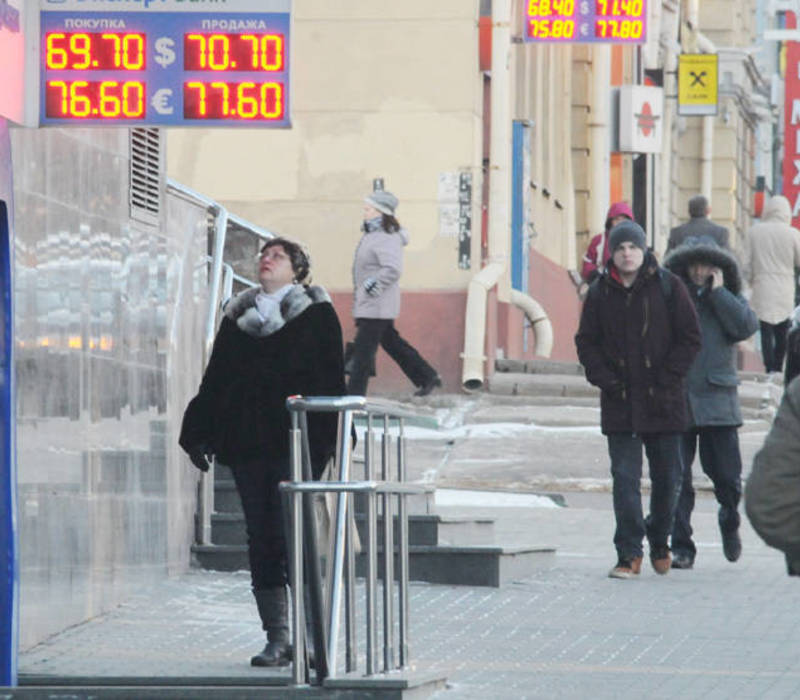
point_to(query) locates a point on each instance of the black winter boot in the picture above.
(273, 608)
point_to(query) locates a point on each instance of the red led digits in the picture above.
(245, 100)
(93, 51)
(233, 52)
(95, 99)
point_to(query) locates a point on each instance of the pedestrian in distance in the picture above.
(771, 255)
(279, 339)
(598, 254)
(377, 266)
(712, 276)
(637, 338)
(698, 225)
(772, 492)
(792, 368)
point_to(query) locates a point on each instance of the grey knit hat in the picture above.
(384, 202)
(627, 232)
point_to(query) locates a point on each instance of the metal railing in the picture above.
(340, 574)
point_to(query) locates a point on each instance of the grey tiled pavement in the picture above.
(719, 631)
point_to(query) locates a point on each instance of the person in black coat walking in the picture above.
(637, 337)
(277, 340)
(714, 281)
(698, 225)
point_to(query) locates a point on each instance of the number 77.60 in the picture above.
(224, 100)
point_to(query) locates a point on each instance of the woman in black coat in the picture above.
(277, 340)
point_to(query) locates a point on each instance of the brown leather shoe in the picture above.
(626, 568)
(661, 559)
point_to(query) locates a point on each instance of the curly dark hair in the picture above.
(298, 256)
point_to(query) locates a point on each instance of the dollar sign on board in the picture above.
(164, 53)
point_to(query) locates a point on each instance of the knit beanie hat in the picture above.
(627, 232)
(385, 202)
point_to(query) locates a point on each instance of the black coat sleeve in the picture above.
(589, 344)
(197, 425)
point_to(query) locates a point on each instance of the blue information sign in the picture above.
(159, 67)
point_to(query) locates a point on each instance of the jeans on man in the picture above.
(664, 459)
(773, 344)
(721, 460)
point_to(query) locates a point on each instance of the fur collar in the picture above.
(705, 250)
(241, 309)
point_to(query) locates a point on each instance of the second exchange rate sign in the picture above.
(164, 66)
(586, 21)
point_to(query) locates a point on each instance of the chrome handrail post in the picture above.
(388, 552)
(403, 554)
(296, 574)
(372, 581)
(337, 566)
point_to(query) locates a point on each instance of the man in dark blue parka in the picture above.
(713, 279)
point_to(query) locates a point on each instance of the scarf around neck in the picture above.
(296, 299)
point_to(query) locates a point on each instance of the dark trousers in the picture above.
(664, 460)
(773, 344)
(257, 484)
(371, 332)
(722, 462)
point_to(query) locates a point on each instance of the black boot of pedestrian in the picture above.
(732, 545)
(273, 609)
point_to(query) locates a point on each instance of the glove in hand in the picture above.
(371, 286)
(201, 458)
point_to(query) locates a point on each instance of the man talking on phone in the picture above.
(714, 281)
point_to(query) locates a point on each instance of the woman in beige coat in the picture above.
(771, 254)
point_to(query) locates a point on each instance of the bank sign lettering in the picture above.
(165, 62)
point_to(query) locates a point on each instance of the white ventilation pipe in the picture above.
(540, 323)
(475, 325)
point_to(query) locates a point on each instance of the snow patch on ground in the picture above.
(491, 499)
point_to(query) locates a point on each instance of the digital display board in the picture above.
(161, 67)
(586, 21)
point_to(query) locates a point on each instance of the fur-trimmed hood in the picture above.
(241, 308)
(705, 250)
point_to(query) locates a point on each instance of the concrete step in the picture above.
(574, 390)
(229, 529)
(226, 498)
(479, 565)
(538, 366)
(441, 530)
(408, 684)
(519, 384)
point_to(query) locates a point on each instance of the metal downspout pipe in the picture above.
(475, 326)
(496, 271)
(540, 323)
(598, 136)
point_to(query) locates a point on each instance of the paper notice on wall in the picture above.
(448, 204)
